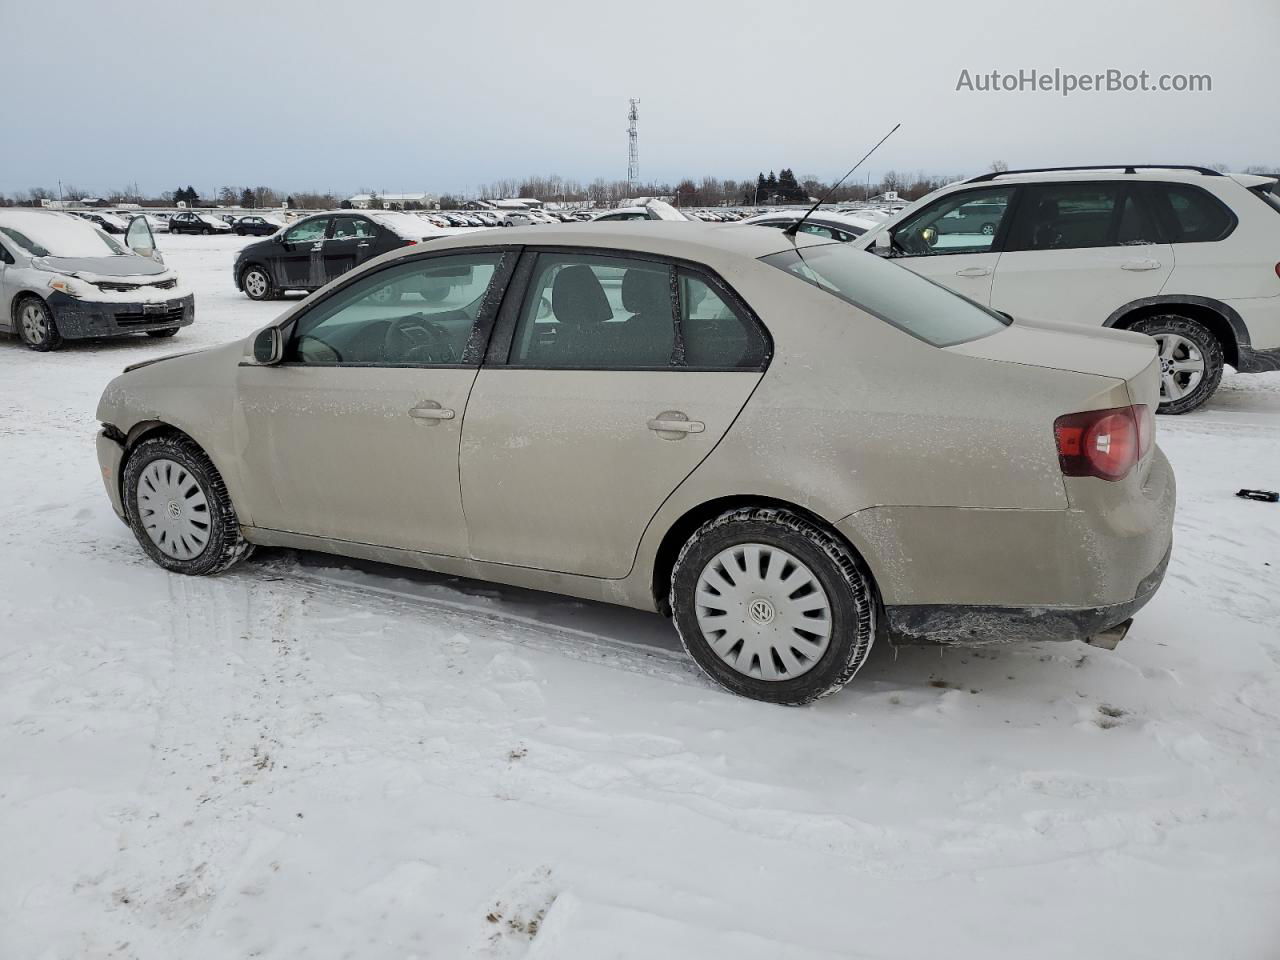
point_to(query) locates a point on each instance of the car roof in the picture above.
(687, 240)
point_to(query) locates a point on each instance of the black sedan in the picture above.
(256, 226)
(320, 248)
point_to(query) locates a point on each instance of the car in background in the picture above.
(63, 278)
(254, 225)
(1186, 255)
(833, 226)
(107, 222)
(649, 210)
(191, 221)
(504, 406)
(316, 249)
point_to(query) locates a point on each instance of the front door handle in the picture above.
(431, 412)
(974, 272)
(1144, 264)
(673, 425)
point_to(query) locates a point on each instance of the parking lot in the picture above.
(207, 767)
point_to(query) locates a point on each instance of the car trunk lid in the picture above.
(1096, 351)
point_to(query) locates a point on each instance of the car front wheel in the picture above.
(1190, 361)
(178, 507)
(36, 325)
(256, 283)
(772, 606)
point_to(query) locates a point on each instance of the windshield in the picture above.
(61, 236)
(894, 294)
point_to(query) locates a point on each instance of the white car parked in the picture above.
(1187, 255)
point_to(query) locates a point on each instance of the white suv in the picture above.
(1188, 255)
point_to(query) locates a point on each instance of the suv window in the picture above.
(308, 230)
(583, 311)
(714, 332)
(345, 228)
(418, 313)
(5, 255)
(1192, 215)
(964, 222)
(1072, 216)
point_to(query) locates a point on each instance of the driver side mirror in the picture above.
(883, 246)
(268, 346)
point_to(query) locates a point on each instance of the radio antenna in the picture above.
(795, 227)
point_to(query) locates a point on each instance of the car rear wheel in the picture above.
(36, 325)
(256, 283)
(166, 332)
(1190, 361)
(178, 507)
(772, 606)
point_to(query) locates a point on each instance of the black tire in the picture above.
(225, 545)
(268, 291)
(1210, 350)
(161, 334)
(847, 583)
(46, 337)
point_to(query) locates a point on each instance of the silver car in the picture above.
(791, 447)
(63, 278)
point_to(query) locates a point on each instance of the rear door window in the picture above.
(1067, 216)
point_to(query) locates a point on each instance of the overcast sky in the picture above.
(443, 97)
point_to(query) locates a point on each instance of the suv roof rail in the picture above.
(1128, 168)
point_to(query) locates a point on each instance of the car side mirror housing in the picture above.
(883, 245)
(268, 346)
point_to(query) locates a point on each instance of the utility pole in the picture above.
(633, 147)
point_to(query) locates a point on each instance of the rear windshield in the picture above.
(53, 235)
(891, 293)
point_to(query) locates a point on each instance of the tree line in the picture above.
(781, 187)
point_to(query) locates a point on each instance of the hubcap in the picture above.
(1181, 366)
(34, 325)
(763, 612)
(173, 509)
(256, 283)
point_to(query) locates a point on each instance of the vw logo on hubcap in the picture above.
(173, 510)
(760, 611)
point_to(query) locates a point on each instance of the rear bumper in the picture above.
(973, 625)
(972, 575)
(83, 318)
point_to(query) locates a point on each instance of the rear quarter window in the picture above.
(1193, 215)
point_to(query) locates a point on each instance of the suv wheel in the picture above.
(1190, 361)
(178, 507)
(773, 607)
(36, 325)
(256, 283)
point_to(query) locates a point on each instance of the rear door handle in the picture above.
(676, 423)
(1145, 264)
(974, 272)
(430, 410)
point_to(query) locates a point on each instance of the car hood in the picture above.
(1097, 351)
(101, 266)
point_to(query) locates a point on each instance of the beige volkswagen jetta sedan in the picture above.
(790, 446)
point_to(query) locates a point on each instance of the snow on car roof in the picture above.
(405, 225)
(57, 235)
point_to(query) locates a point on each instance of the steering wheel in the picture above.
(416, 339)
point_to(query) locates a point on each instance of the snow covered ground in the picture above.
(304, 758)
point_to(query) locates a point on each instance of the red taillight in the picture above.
(1102, 443)
(409, 243)
(1146, 428)
(1278, 269)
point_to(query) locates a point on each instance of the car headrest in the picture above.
(578, 297)
(646, 291)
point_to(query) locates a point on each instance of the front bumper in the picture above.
(110, 456)
(77, 318)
